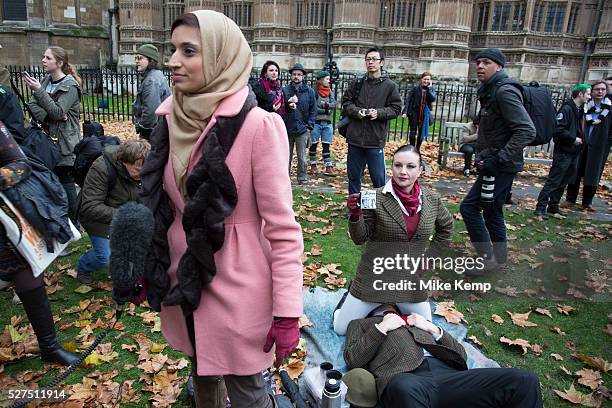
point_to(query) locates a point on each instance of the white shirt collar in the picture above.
(388, 188)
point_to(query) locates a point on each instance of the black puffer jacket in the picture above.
(11, 113)
(505, 126)
(568, 128)
(41, 199)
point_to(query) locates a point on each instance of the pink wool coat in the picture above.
(259, 272)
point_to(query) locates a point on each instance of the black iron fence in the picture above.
(109, 94)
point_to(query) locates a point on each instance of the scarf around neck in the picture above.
(594, 115)
(226, 65)
(323, 90)
(274, 87)
(211, 196)
(410, 200)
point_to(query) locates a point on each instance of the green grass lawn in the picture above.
(322, 216)
(583, 328)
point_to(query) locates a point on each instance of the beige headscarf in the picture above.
(227, 61)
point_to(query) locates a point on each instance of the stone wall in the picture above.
(79, 26)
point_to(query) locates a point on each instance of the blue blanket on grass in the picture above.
(323, 344)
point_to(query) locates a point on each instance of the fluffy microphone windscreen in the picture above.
(130, 236)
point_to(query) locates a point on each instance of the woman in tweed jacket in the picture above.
(409, 221)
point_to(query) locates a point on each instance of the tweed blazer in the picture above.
(399, 351)
(383, 230)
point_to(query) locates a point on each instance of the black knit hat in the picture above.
(494, 54)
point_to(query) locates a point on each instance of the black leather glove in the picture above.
(489, 166)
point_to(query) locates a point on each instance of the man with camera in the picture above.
(370, 102)
(505, 129)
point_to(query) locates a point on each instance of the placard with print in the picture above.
(368, 199)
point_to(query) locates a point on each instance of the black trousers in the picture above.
(435, 385)
(588, 192)
(468, 150)
(66, 177)
(562, 171)
(415, 135)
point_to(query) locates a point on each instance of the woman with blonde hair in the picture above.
(56, 104)
(224, 266)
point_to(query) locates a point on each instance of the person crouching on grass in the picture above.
(406, 215)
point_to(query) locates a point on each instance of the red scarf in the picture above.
(274, 87)
(323, 90)
(409, 200)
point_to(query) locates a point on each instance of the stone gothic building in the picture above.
(28, 27)
(544, 40)
(552, 41)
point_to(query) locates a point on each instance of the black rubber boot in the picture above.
(36, 305)
(210, 391)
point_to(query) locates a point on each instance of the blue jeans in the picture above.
(486, 225)
(325, 133)
(97, 257)
(355, 164)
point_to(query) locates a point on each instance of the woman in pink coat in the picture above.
(224, 266)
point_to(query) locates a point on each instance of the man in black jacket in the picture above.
(12, 115)
(568, 143)
(505, 130)
(370, 103)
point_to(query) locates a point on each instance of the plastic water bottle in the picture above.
(331, 394)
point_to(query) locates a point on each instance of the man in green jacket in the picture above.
(112, 180)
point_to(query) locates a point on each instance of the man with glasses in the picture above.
(370, 102)
(300, 115)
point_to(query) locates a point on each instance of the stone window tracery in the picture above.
(406, 13)
(573, 17)
(502, 16)
(312, 13)
(239, 11)
(14, 10)
(549, 16)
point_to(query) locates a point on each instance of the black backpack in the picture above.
(540, 108)
(91, 128)
(87, 151)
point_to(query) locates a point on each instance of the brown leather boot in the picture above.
(210, 391)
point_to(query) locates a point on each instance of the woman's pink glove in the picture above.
(353, 205)
(285, 332)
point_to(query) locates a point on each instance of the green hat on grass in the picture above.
(361, 388)
(150, 51)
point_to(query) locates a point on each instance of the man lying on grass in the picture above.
(416, 364)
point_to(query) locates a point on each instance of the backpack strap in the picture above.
(358, 86)
(509, 81)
